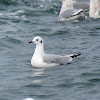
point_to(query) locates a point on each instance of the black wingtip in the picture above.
(79, 53)
(76, 54)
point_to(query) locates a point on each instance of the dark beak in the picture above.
(30, 42)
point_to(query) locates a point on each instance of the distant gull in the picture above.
(28, 99)
(73, 10)
(94, 9)
(42, 59)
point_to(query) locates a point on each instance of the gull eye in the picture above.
(36, 39)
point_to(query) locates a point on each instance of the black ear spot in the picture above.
(40, 41)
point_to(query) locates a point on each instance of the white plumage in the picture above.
(42, 59)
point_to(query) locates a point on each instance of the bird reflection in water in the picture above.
(37, 74)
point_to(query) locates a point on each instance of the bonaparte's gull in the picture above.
(42, 59)
(72, 10)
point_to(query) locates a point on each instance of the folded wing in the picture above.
(61, 60)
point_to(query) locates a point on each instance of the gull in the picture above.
(28, 99)
(94, 9)
(72, 10)
(42, 59)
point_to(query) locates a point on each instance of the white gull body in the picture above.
(42, 59)
(94, 9)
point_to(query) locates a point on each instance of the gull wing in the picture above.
(48, 58)
(70, 13)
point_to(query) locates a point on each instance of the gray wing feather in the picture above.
(81, 5)
(77, 6)
(67, 13)
(70, 13)
(56, 59)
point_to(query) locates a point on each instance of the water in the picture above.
(20, 21)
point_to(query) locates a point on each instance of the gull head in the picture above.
(37, 40)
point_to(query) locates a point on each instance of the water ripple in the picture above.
(20, 21)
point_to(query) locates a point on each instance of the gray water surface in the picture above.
(20, 21)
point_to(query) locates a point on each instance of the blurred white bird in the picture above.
(28, 99)
(94, 9)
(72, 10)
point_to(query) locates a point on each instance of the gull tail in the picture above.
(75, 55)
